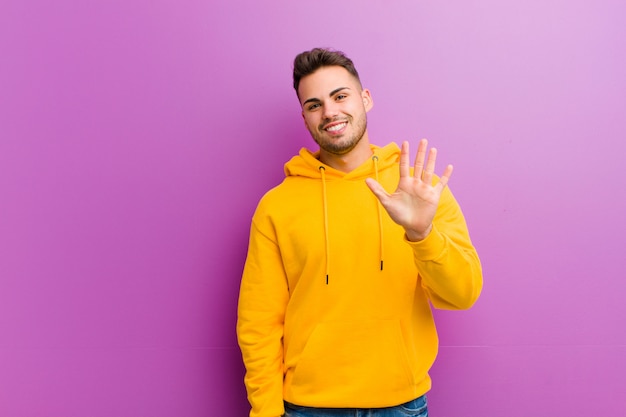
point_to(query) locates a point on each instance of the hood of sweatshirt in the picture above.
(306, 164)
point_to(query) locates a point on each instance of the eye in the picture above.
(313, 106)
(341, 96)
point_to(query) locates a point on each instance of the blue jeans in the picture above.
(416, 408)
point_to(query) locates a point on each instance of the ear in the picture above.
(368, 102)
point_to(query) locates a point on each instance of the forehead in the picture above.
(325, 80)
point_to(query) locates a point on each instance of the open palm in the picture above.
(414, 203)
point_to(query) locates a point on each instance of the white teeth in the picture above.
(336, 127)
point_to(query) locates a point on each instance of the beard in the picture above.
(340, 145)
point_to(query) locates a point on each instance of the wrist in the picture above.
(416, 236)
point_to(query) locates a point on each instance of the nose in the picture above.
(331, 110)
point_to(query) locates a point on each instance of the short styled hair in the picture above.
(306, 63)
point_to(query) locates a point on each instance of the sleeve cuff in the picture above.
(430, 248)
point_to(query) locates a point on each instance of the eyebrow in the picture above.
(332, 93)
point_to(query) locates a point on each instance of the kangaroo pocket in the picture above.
(347, 361)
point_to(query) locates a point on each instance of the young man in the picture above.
(345, 258)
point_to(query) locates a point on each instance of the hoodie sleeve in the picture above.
(447, 261)
(263, 299)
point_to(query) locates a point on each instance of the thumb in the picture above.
(377, 189)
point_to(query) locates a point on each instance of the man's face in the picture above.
(334, 108)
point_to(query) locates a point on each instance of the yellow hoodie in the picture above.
(334, 302)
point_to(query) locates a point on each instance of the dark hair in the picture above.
(306, 63)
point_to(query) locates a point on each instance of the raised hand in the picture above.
(414, 203)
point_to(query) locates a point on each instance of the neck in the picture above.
(350, 160)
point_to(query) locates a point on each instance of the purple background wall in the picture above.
(137, 136)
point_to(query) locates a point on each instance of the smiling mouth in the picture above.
(336, 127)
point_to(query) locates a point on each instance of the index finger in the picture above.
(405, 167)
